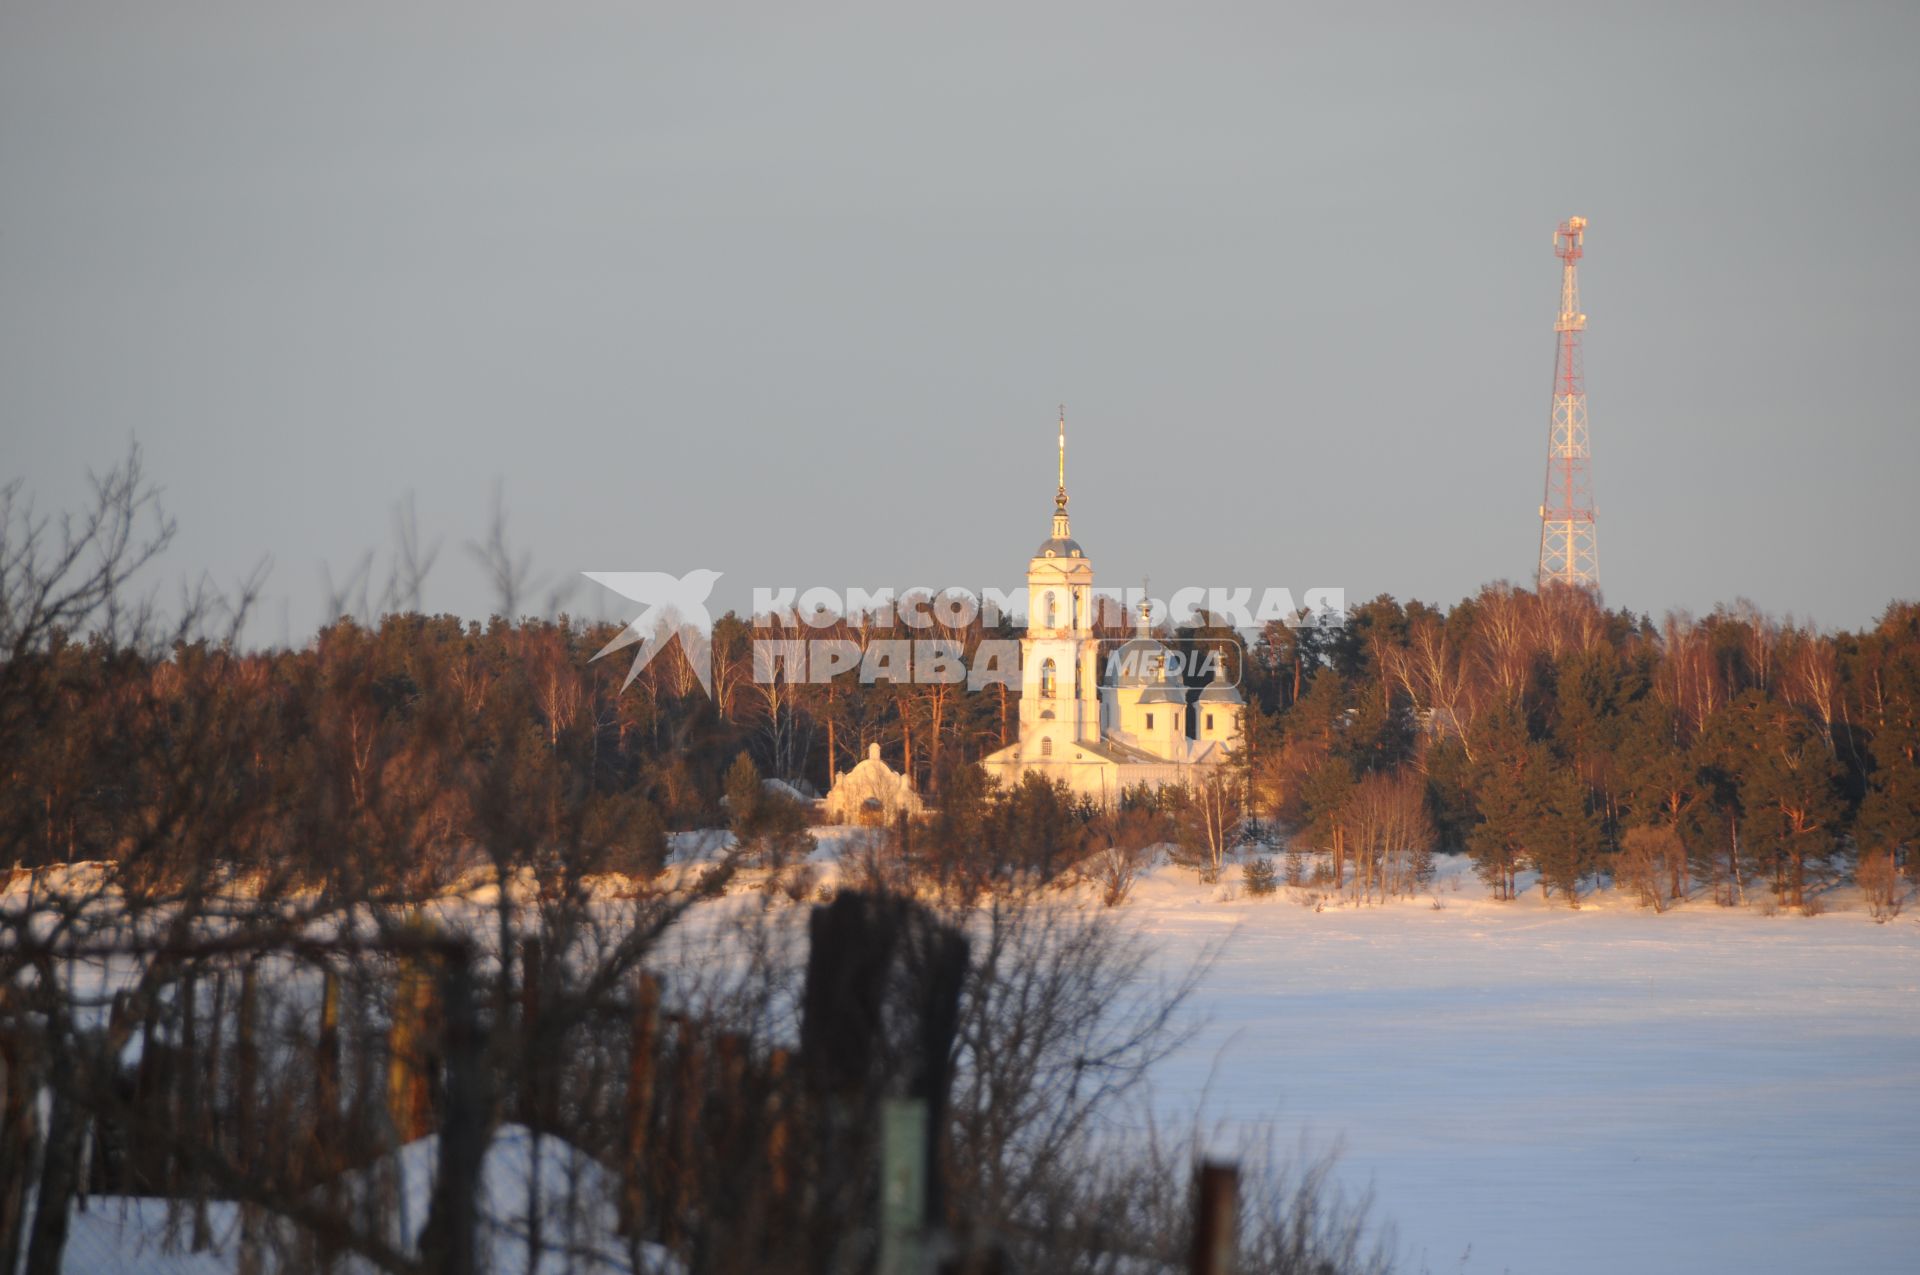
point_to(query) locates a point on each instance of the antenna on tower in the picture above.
(1569, 549)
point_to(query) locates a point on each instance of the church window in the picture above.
(1149, 721)
(1050, 609)
(1048, 675)
(1209, 721)
(1046, 747)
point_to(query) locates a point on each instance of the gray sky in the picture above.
(791, 291)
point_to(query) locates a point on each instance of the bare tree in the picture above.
(1123, 838)
(1649, 856)
(1206, 819)
(1880, 881)
(1389, 834)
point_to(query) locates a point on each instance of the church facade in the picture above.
(1143, 727)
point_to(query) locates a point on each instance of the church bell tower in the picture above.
(1059, 666)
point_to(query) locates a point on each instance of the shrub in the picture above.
(1296, 866)
(1879, 880)
(1645, 863)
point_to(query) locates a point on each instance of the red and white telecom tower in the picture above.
(1569, 552)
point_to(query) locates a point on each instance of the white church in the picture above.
(1140, 729)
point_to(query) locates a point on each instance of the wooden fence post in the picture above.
(447, 1244)
(534, 1095)
(690, 1103)
(1215, 1219)
(326, 1087)
(19, 1136)
(409, 1059)
(780, 1125)
(640, 1076)
(246, 1067)
(878, 1016)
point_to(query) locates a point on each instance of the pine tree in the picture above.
(1790, 787)
(1498, 843)
(1502, 798)
(1563, 835)
(745, 799)
(1889, 818)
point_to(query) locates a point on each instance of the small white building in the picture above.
(1141, 729)
(872, 792)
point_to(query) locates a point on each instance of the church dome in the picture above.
(1142, 661)
(1059, 547)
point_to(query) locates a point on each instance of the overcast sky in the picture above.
(792, 291)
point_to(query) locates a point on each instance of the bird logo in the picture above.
(671, 606)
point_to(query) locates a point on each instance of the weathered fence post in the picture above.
(689, 1107)
(640, 1075)
(19, 1135)
(326, 1081)
(534, 1096)
(410, 1061)
(879, 1013)
(203, 1092)
(1215, 1218)
(779, 1125)
(447, 1243)
(59, 1177)
(246, 1066)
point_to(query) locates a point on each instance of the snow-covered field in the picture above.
(1528, 1088)
(1541, 1090)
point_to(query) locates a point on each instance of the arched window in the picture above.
(1048, 677)
(1052, 613)
(1046, 747)
(1076, 608)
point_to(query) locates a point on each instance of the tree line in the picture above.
(1727, 754)
(1734, 755)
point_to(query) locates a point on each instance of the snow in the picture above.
(126, 1235)
(574, 1195)
(1525, 1087)
(1539, 1089)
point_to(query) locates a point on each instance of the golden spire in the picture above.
(1060, 497)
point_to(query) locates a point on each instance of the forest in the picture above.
(1736, 754)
